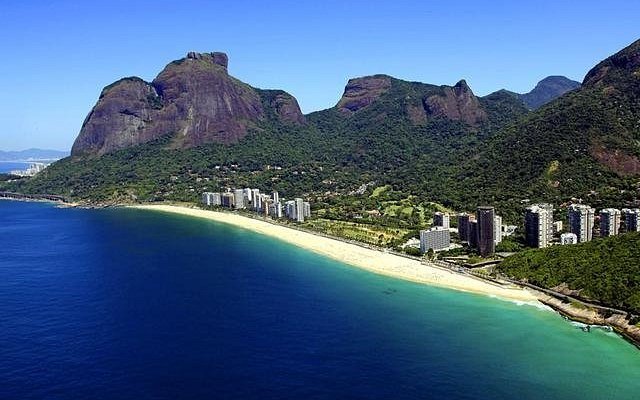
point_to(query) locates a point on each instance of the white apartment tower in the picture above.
(497, 226)
(538, 225)
(238, 198)
(581, 219)
(609, 222)
(299, 209)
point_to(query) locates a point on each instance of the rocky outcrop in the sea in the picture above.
(194, 100)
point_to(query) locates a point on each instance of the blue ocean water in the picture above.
(129, 304)
(6, 166)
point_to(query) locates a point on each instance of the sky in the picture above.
(57, 55)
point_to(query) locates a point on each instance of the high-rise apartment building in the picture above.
(631, 219)
(441, 219)
(473, 233)
(538, 225)
(463, 227)
(238, 198)
(486, 242)
(581, 218)
(609, 222)
(497, 227)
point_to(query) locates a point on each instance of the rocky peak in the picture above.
(461, 87)
(360, 92)
(623, 64)
(193, 100)
(217, 58)
(457, 103)
(548, 89)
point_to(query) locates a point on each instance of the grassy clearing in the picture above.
(376, 235)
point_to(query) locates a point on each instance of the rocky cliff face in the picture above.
(548, 89)
(194, 100)
(619, 68)
(457, 103)
(360, 92)
(420, 101)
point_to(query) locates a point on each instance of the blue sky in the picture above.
(57, 55)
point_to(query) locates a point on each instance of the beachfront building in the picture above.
(211, 199)
(275, 209)
(486, 243)
(238, 199)
(463, 227)
(441, 219)
(581, 218)
(306, 209)
(473, 233)
(436, 238)
(226, 199)
(290, 209)
(609, 222)
(205, 198)
(497, 226)
(538, 225)
(568, 238)
(299, 209)
(256, 201)
(631, 218)
(248, 198)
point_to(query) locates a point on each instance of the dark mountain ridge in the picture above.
(548, 89)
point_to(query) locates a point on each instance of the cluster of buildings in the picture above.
(268, 205)
(31, 170)
(540, 227)
(481, 231)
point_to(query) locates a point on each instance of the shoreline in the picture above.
(376, 261)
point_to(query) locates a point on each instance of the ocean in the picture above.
(6, 166)
(132, 304)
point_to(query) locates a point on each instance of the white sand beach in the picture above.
(375, 261)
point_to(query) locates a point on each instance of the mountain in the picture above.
(193, 100)
(434, 142)
(584, 144)
(548, 89)
(32, 154)
(171, 139)
(421, 101)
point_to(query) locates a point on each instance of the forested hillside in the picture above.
(604, 270)
(435, 143)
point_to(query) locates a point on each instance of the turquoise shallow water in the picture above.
(120, 304)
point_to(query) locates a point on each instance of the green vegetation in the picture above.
(387, 165)
(510, 244)
(604, 270)
(365, 233)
